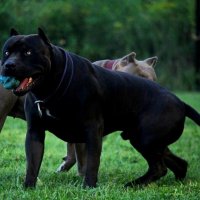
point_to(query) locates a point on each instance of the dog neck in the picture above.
(59, 80)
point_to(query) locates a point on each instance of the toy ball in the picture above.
(9, 82)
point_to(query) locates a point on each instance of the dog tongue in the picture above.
(23, 84)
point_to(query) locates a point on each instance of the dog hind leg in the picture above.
(69, 159)
(177, 165)
(81, 158)
(154, 158)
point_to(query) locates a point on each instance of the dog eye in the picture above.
(6, 53)
(28, 53)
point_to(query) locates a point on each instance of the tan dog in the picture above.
(10, 105)
(129, 64)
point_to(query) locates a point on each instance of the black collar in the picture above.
(61, 89)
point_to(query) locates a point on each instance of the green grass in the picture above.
(120, 163)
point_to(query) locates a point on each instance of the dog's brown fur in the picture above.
(10, 105)
(128, 64)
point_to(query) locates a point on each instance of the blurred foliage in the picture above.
(112, 28)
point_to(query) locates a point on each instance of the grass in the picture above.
(120, 163)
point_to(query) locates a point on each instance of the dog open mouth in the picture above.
(25, 85)
(20, 86)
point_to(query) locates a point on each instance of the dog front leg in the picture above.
(81, 158)
(93, 146)
(34, 146)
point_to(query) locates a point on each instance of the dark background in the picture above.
(112, 28)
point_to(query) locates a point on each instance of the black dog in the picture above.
(73, 99)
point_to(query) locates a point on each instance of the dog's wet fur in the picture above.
(77, 106)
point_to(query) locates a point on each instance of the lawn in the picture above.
(120, 163)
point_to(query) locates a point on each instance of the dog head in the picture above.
(27, 59)
(131, 65)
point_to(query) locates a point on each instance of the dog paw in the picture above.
(66, 165)
(29, 185)
(62, 167)
(89, 184)
(181, 174)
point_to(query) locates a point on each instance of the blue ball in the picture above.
(9, 82)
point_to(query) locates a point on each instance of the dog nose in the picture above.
(8, 68)
(9, 65)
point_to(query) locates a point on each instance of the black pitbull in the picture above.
(73, 99)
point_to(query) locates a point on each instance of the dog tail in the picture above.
(192, 114)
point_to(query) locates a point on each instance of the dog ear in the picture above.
(130, 58)
(13, 32)
(44, 37)
(152, 61)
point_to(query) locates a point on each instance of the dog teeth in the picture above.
(30, 80)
